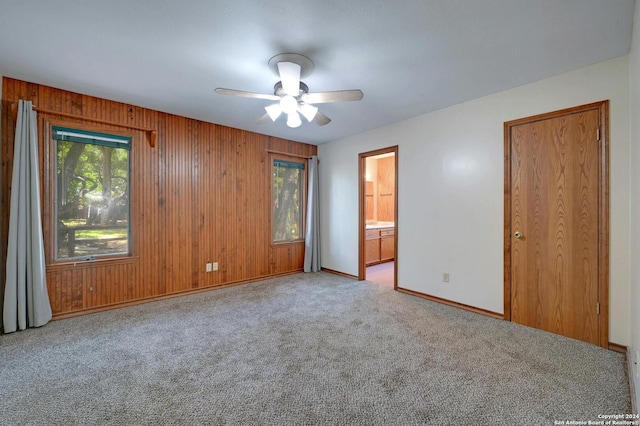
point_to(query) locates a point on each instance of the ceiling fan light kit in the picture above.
(292, 95)
(274, 111)
(293, 120)
(308, 111)
(288, 104)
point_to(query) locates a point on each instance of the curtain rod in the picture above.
(289, 154)
(153, 132)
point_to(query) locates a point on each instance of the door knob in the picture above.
(518, 234)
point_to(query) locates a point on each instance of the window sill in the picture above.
(286, 243)
(81, 263)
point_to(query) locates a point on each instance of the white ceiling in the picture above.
(409, 57)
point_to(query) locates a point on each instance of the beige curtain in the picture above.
(312, 236)
(26, 302)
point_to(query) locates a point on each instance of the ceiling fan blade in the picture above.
(232, 92)
(320, 119)
(290, 77)
(265, 118)
(328, 97)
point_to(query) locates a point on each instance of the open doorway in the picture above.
(378, 190)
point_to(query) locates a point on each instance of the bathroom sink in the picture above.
(372, 224)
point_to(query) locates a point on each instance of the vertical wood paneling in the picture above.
(369, 194)
(202, 195)
(386, 191)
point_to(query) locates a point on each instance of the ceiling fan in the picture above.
(292, 96)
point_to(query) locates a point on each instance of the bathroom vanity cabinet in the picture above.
(379, 245)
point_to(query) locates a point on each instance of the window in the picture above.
(92, 193)
(288, 191)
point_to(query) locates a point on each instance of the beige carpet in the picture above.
(303, 350)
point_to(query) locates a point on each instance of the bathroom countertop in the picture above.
(378, 225)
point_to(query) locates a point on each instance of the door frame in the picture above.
(362, 182)
(603, 210)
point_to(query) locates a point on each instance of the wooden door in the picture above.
(556, 223)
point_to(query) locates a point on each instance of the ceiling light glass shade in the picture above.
(274, 111)
(289, 104)
(309, 111)
(293, 120)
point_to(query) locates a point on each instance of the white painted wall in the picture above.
(451, 184)
(634, 300)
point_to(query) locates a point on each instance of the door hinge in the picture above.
(598, 308)
(598, 133)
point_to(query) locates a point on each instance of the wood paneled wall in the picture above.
(202, 195)
(368, 200)
(386, 189)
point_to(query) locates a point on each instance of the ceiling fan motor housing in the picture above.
(279, 91)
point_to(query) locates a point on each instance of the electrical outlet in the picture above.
(445, 277)
(209, 267)
(215, 266)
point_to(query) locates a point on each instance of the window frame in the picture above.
(305, 175)
(51, 188)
